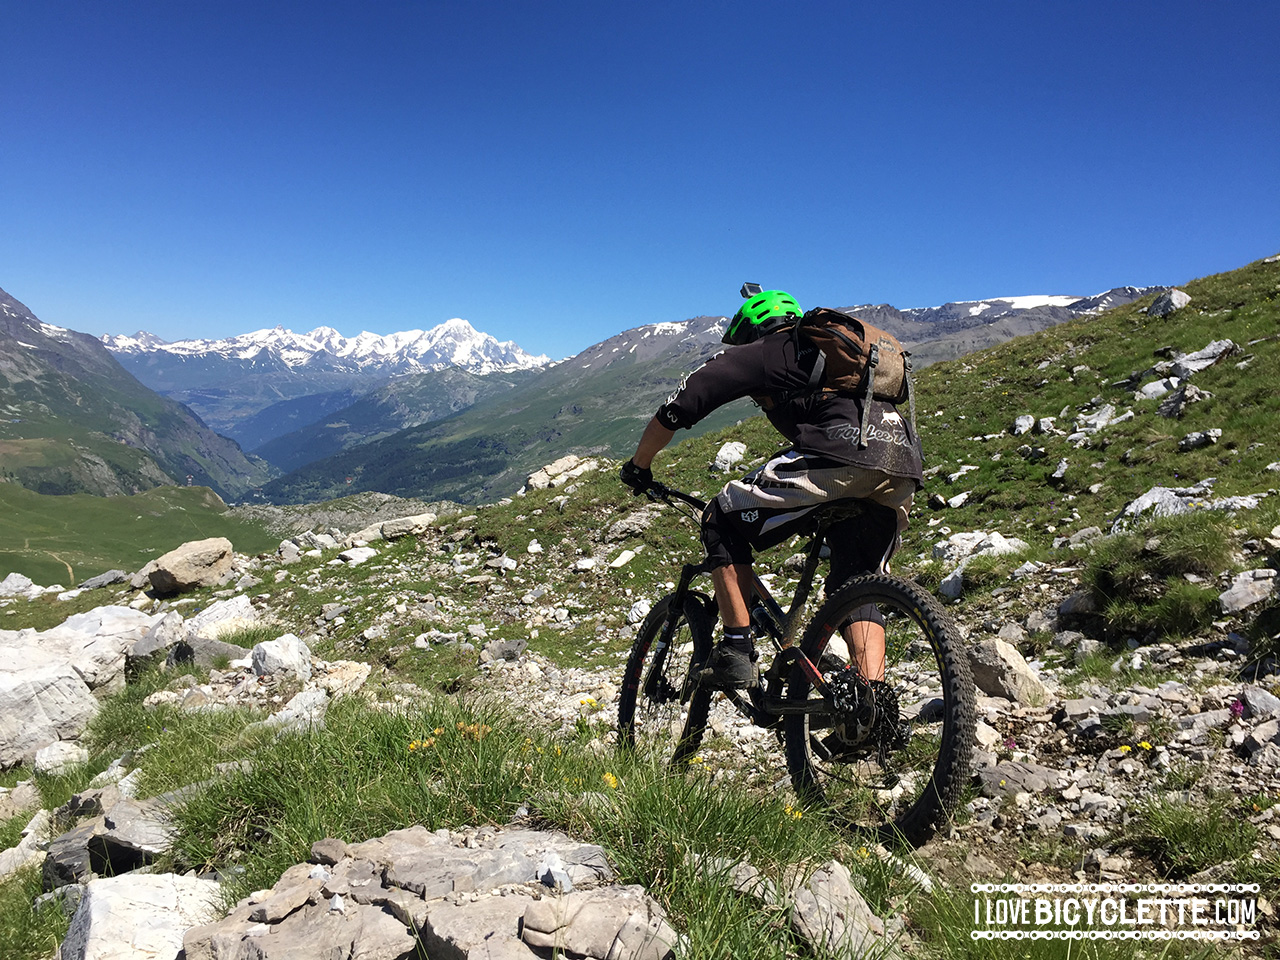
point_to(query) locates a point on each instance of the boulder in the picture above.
(1157, 388)
(407, 526)
(610, 922)
(961, 545)
(198, 563)
(285, 654)
(23, 798)
(154, 645)
(303, 711)
(357, 555)
(728, 456)
(1192, 363)
(358, 899)
(41, 703)
(560, 472)
(93, 644)
(1015, 776)
(1168, 302)
(222, 617)
(30, 850)
(1259, 703)
(17, 585)
(1175, 403)
(1000, 671)
(1198, 439)
(203, 652)
(142, 579)
(370, 534)
(1169, 501)
(110, 578)
(633, 524)
(503, 650)
(1248, 588)
(59, 758)
(138, 917)
(831, 915)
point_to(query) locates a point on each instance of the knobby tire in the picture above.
(660, 708)
(851, 784)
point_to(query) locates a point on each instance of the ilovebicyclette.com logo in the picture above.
(1114, 911)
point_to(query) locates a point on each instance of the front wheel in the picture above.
(894, 757)
(661, 709)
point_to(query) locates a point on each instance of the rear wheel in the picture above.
(661, 709)
(896, 765)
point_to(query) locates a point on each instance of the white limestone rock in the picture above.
(285, 654)
(999, 670)
(138, 917)
(197, 563)
(728, 456)
(59, 758)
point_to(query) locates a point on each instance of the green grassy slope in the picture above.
(1071, 368)
(70, 538)
(66, 405)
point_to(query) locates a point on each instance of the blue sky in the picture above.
(557, 172)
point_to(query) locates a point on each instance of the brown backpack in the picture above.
(856, 358)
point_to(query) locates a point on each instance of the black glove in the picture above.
(639, 479)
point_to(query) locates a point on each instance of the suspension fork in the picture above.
(663, 641)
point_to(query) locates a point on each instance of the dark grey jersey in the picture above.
(825, 425)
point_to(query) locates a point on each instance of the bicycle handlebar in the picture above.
(660, 491)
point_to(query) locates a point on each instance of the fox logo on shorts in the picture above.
(750, 516)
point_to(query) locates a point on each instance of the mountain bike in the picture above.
(887, 757)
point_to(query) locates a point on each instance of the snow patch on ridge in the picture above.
(453, 343)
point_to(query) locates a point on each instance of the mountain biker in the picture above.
(825, 463)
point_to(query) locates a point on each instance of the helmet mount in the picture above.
(764, 312)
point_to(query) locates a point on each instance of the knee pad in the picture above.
(723, 542)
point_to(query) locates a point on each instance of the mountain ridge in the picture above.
(231, 380)
(598, 400)
(74, 420)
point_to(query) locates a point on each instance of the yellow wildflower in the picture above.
(1144, 745)
(1126, 748)
(611, 781)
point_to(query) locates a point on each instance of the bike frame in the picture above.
(764, 705)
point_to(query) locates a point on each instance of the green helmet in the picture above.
(763, 313)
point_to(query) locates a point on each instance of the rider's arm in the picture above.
(655, 437)
(729, 375)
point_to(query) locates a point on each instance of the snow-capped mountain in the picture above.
(454, 343)
(970, 313)
(237, 385)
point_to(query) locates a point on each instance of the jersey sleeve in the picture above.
(727, 376)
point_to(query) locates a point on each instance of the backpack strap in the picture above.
(911, 398)
(873, 360)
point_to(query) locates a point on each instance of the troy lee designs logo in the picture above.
(891, 433)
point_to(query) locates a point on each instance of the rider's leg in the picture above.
(865, 639)
(732, 661)
(732, 586)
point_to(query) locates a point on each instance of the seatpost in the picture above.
(806, 579)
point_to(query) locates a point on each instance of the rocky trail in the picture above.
(1076, 732)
